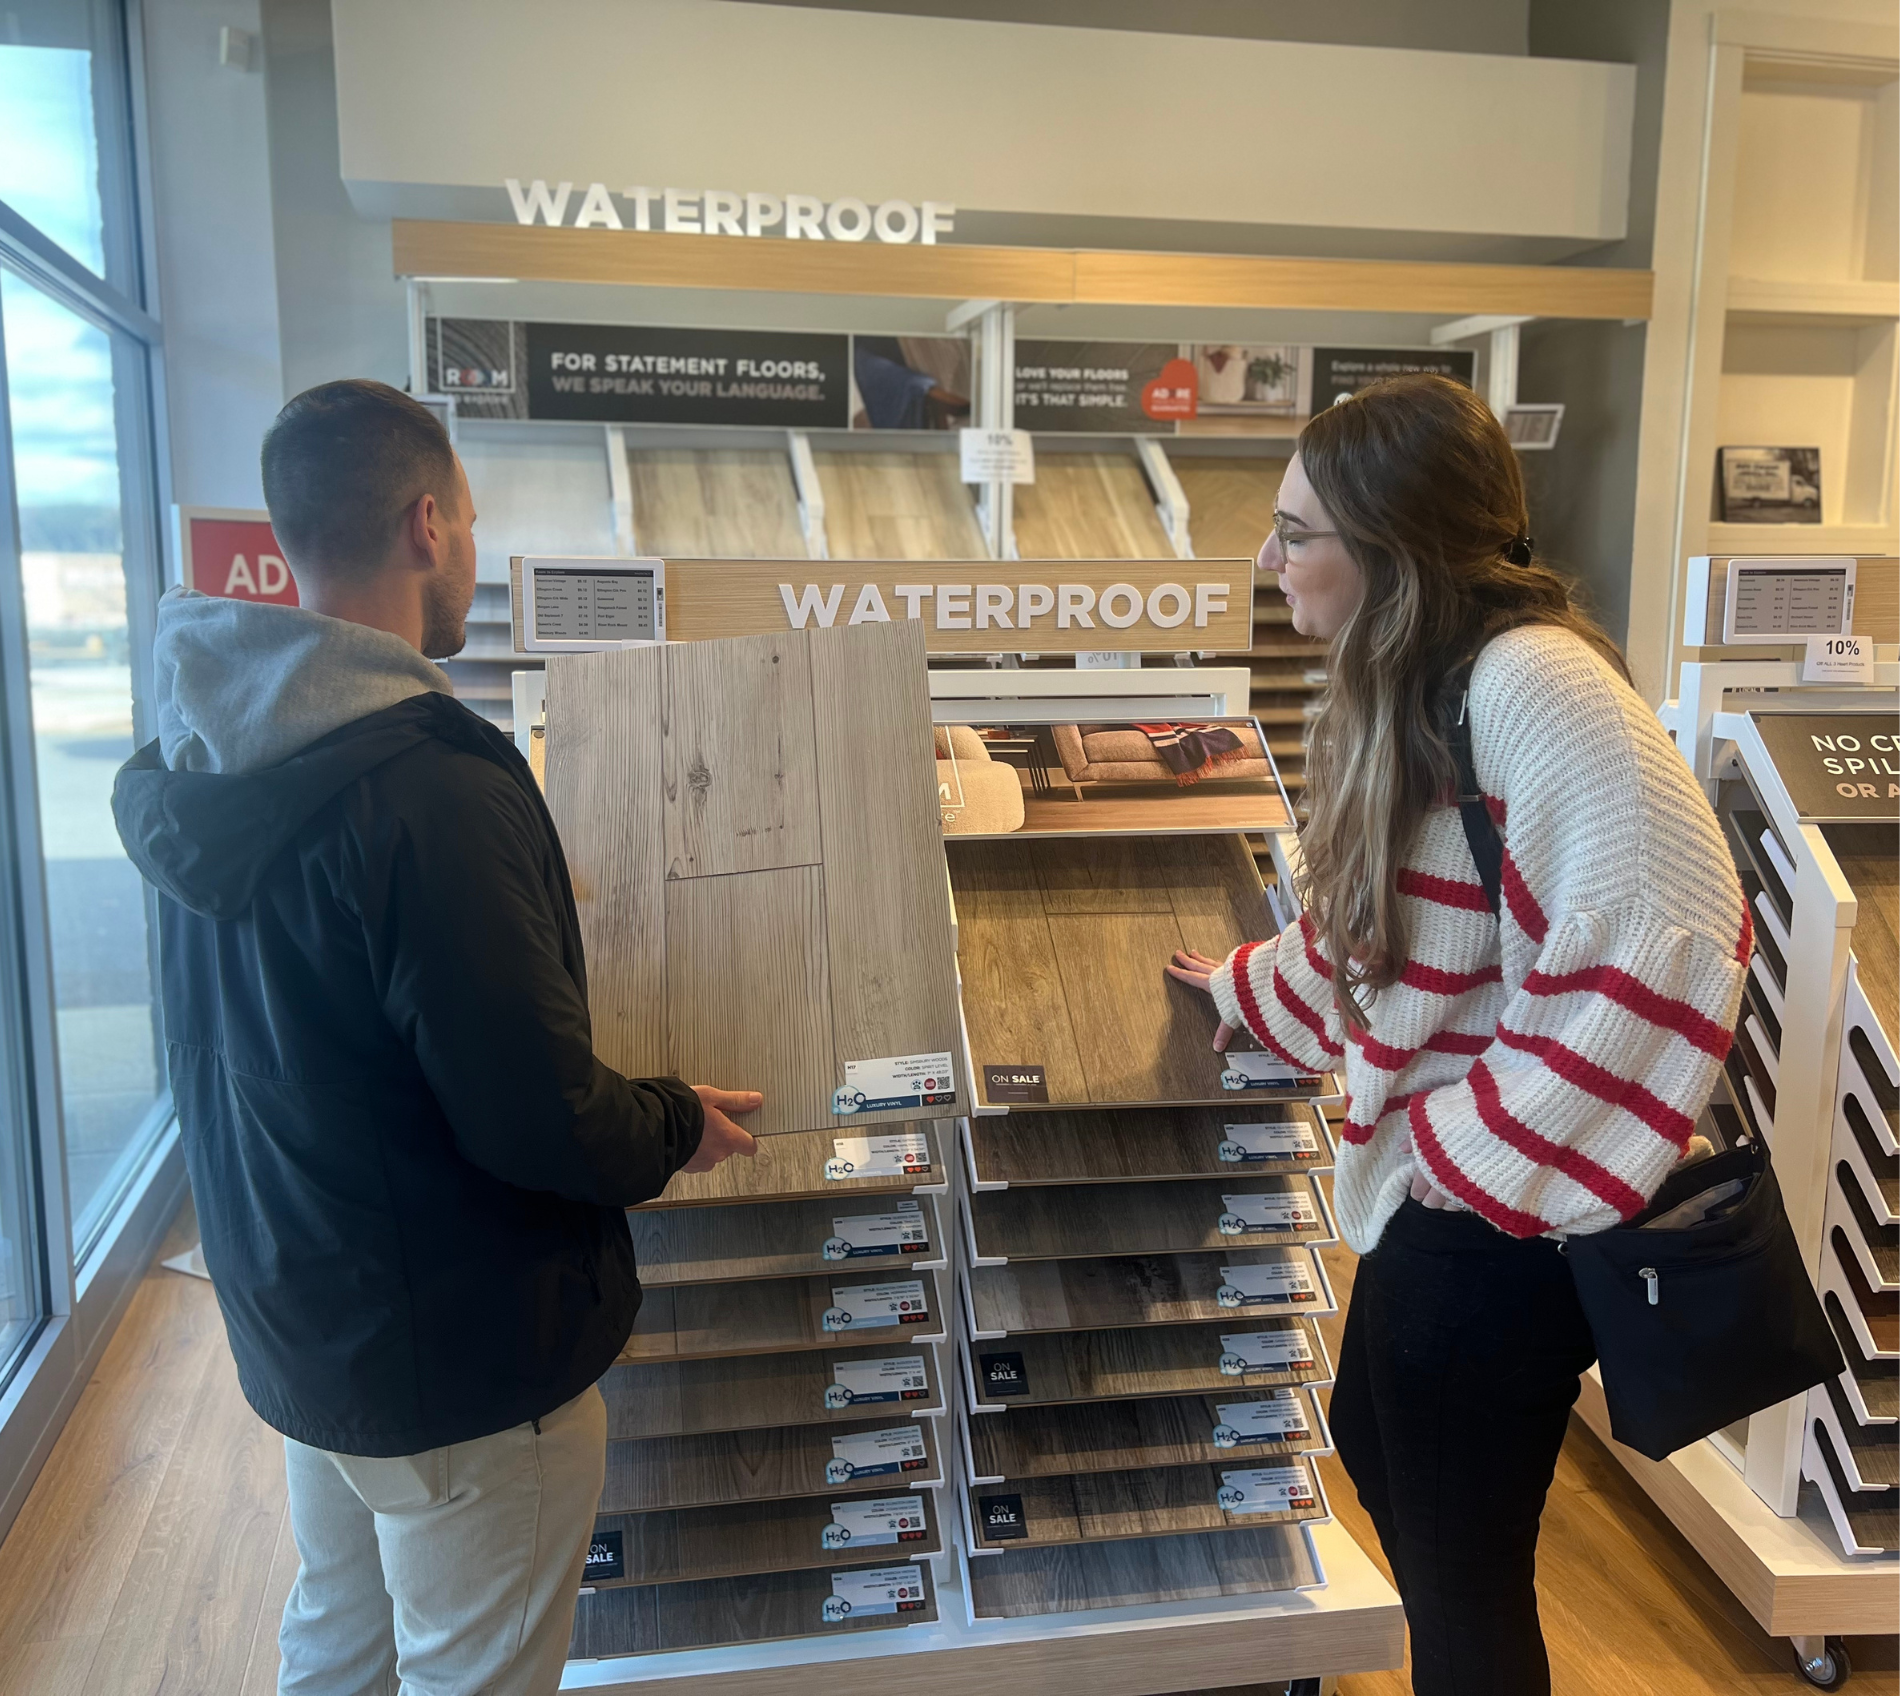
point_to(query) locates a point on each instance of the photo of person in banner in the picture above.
(910, 382)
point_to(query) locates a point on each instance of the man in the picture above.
(410, 1170)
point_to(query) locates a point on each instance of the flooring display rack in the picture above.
(804, 1466)
(1798, 1507)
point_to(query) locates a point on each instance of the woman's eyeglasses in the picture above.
(1289, 532)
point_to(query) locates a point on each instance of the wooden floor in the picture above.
(154, 1554)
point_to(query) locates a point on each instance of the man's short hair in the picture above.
(342, 463)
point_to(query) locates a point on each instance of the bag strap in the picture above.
(1481, 831)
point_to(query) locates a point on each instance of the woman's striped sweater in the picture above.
(1545, 1068)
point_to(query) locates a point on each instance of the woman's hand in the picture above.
(1428, 1194)
(1194, 970)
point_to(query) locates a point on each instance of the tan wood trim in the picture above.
(430, 248)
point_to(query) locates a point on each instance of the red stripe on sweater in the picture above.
(1591, 1078)
(1575, 1165)
(1445, 891)
(1495, 808)
(1314, 958)
(1443, 1171)
(1746, 946)
(1418, 975)
(1359, 1134)
(1390, 1059)
(1283, 992)
(1523, 904)
(1243, 990)
(1635, 996)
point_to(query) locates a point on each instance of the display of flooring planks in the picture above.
(1136, 1145)
(715, 1468)
(704, 1245)
(1046, 1223)
(1175, 1501)
(1869, 855)
(1041, 1442)
(1879, 1309)
(1165, 1360)
(749, 919)
(1882, 1167)
(1872, 1515)
(1155, 1289)
(1874, 1449)
(1882, 1242)
(898, 506)
(772, 1316)
(676, 1398)
(1088, 506)
(1062, 944)
(800, 1165)
(652, 1619)
(715, 503)
(1084, 1576)
(683, 1545)
(1876, 1381)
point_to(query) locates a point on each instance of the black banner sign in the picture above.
(1342, 371)
(1838, 767)
(1108, 387)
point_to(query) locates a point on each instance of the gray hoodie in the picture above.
(242, 685)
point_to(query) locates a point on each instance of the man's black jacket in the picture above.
(410, 1170)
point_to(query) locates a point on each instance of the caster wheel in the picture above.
(1830, 1669)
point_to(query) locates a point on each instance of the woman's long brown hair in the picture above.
(1424, 489)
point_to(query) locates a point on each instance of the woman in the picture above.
(1512, 1080)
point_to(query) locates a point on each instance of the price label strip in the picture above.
(1267, 1489)
(900, 1154)
(858, 1236)
(875, 1307)
(1281, 1419)
(895, 1081)
(1284, 1140)
(1265, 1351)
(877, 1454)
(1278, 1210)
(876, 1590)
(869, 1524)
(1276, 1283)
(1249, 1069)
(896, 1378)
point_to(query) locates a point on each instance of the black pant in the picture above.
(1460, 1363)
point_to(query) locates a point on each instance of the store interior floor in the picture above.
(154, 1552)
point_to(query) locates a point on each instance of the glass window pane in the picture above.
(66, 478)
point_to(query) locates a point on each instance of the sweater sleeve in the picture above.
(1626, 935)
(1281, 990)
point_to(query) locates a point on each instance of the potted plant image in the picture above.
(1265, 374)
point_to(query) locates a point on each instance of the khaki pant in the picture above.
(449, 1573)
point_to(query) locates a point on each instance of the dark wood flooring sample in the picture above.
(1876, 1380)
(1102, 1507)
(1869, 855)
(1062, 945)
(1043, 1442)
(1085, 1220)
(1162, 1360)
(681, 1545)
(651, 1619)
(797, 1166)
(1874, 1449)
(787, 1239)
(1131, 1145)
(1882, 1167)
(1083, 1576)
(1149, 1289)
(773, 1315)
(1882, 1241)
(746, 1392)
(1879, 1308)
(709, 1469)
(1873, 1516)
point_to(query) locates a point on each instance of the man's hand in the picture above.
(721, 1138)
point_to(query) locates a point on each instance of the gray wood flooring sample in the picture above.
(771, 1316)
(1131, 1145)
(1161, 1360)
(700, 1245)
(1149, 1289)
(1043, 1442)
(675, 1398)
(803, 1164)
(1046, 1223)
(682, 1545)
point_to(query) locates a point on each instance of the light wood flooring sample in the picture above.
(1870, 856)
(1041, 1442)
(752, 830)
(1131, 1145)
(1149, 1289)
(898, 506)
(1162, 1360)
(652, 1619)
(746, 1392)
(683, 1545)
(788, 1239)
(771, 1316)
(1088, 506)
(708, 1469)
(1046, 1223)
(1174, 1501)
(719, 503)
(1082, 1576)
(1062, 944)
(798, 1166)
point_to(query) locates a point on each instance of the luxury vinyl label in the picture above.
(1266, 1489)
(1276, 1282)
(863, 1307)
(1282, 1419)
(901, 1231)
(1001, 1518)
(1278, 1211)
(1264, 1351)
(882, 1519)
(1288, 1140)
(1004, 1374)
(1022, 1082)
(897, 1378)
(897, 1154)
(870, 1454)
(894, 1081)
(877, 1590)
(606, 1557)
(1248, 1069)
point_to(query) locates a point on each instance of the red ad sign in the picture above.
(226, 552)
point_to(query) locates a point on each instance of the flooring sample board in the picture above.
(1041, 1442)
(676, 1398)
(751, 827)
(1873, 1516)
(1175, 1501)
(1088, 506)
(1879, 1309)
(1883, 1168)
(687, 1544)
(883, 1456)
(1882, 1242)
(1084, 1576)
(705, 1245)
(1150, 1289)
(893, 1160)
(1163, 1360)
(898, 506)
(1874, 1449)
(651, 1619)
(1873, 1383)
(785, 1315)
(1062, 942)
(1869, 855)
(1046, 1223)
(1136, 1145)
(715, 503)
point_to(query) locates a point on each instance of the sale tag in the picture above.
(896, 1080)
(1266, 1489)
(896, 1378)
(1265, 1351)
(1249, 1069)
(1837, 659)
(1277, 1281)
(867, 1307)
(1281, 1419)
(878, 1590)
(899, 1154)
(868, 1454)
(1291, 1139)
(882, 1519)
(1278, 1210)
(996, 456)
(900, 1231)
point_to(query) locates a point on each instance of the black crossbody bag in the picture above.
(1701, 1309)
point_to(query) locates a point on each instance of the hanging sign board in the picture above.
(1096, 387)
(1838, 767)
(232, 552)
(966, 606)
(1341, 372)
